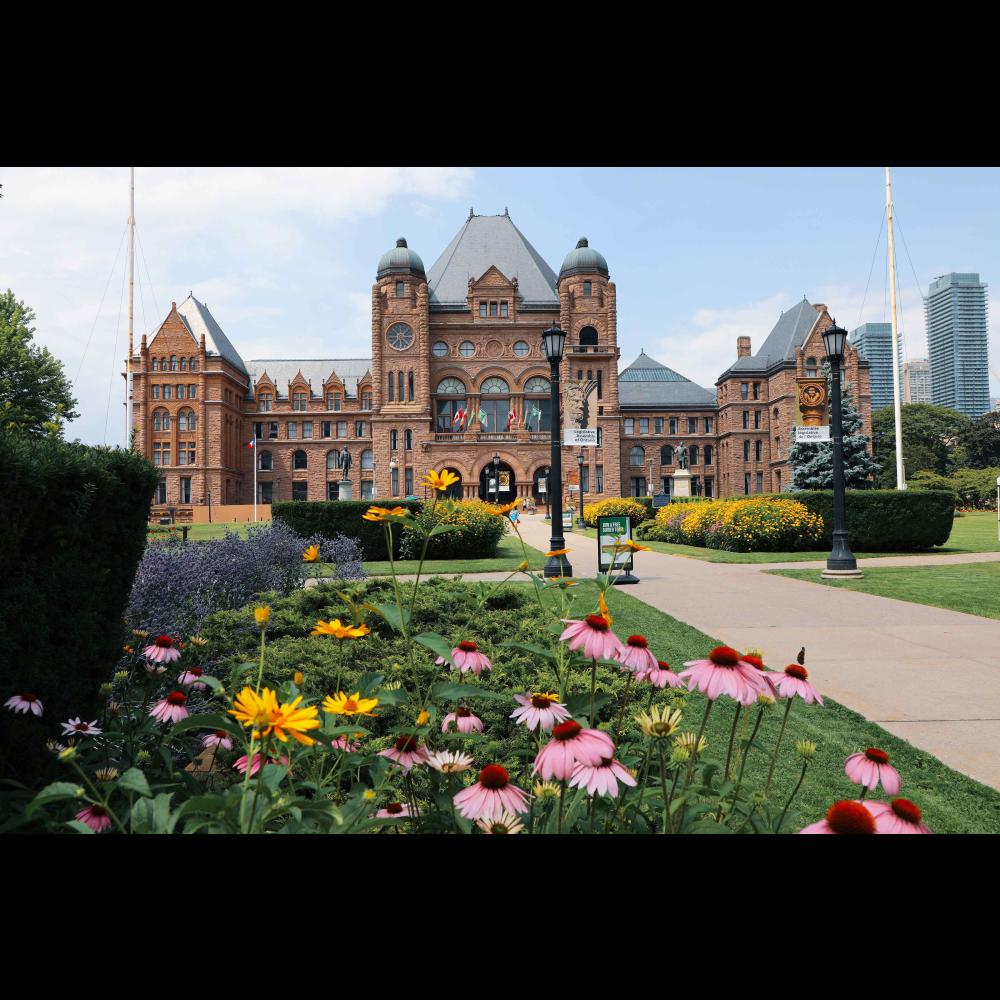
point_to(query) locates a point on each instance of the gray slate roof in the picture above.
(485, 241)
(316, 370)
(648, 384)
(200, 321)
(780, 345)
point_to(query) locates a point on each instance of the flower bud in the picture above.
(262, 615)
(805, 748)
(298, 678)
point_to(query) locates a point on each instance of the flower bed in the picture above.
(635, 509)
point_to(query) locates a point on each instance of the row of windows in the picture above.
(300, 401)
(300, 460)
(186, 420)
(493, 385)
(397, 381)
(328, 429)
(746, 420)
(168, 391)
(757, 450)
(637, 456)
(183, 365)
(185, 453)
(639, 486)
(672, 423)
(760, 483)
(407, 440)
(495, 309)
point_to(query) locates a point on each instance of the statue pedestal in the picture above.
(344, 489)
(682, 483)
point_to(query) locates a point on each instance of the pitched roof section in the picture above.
(483, 241)
(316, 371)
(647, 383)
(789, 333)
(200, 321)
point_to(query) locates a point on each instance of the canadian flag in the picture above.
(459, 417)
(513, 417)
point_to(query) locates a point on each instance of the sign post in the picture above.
(568, 519)
(613, 530)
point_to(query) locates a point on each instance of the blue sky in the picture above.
(285, 257)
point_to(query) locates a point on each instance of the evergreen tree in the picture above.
(812, 461)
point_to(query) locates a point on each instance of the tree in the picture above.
(812, 462)
(35, 394)
(931, 440)
(981, 441)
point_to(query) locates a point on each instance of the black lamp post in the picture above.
(547, 494)
(579, 462)
(496, 475)
(553, 344)
(841, 562)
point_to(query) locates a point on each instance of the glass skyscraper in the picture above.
(874, 341)
(958, 343)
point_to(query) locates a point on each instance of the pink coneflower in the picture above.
(342, 743)
(594, 636)
(725, 672)
(241, 764)
(491, 795)
(793, 682)
(847, 816)
(766, 675)
(96, 817)
(171, 708)
(659, 676)
(406, 752)
(466, 656)
(449, 762)
(397, 810)
(77, 728)
(570, 745)
(870, 768)
(162, 650)
(540, 708)
(192, 678)
(220, 738)
(635, 654)
(601, 778)
(465, 721)
(24, 703)
(898, 816)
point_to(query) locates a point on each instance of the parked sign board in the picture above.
(611, 530)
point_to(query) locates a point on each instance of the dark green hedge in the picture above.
(74, 532)
(886, 520)
(342, 517)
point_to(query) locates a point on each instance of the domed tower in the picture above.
(400, 353)
(588, 314)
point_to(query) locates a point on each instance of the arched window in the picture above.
(184, 364)
(156, 364)
(332, 460)
(451, 387)
(538, 404)
(495, 404)
(194, 364)
(408, 440)
(392, 388)
(775, 413)
(173, 362)
(588, 336)
(667, 455)
(399, 380)
(637, 456)
(367, 460)
(494, 386)
(393, 440)
(538, 384)
(693, 455)
(450, 411)
(161, 420)
(187, 421)
(409, 386)
(300, 460)
(811, 367)
(265, 463)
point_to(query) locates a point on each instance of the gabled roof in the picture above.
(200, 321)
(316, 371)
(647, 383)
(789, 333)
(483, 241)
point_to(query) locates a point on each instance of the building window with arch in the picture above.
(368, 460)
(693, 455)
(588, 336)
(173, 363)
(366, 401)
(637, 456)
(667, 455)
(538, 404)
(187, 421)
(265, 461)
(757, 449)
(332, 460)
(300, 460)
(494, 401)
(588, 288)
(299, 401)
(450, 400)
(264, 400)
(399, 385)
(392, 388)
(194, 364)
(161, 420)
(393, 440)
(184, 364)
(409, 386)
(408, 442)
(156, 365)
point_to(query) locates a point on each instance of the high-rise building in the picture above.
(958, 344)
(874, 342)
(917, 381)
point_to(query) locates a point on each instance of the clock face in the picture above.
(400, 336)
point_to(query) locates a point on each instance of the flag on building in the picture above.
(459, 417)
(252, 443)
(481, 417)
(536, 414)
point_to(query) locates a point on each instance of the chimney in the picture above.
(743, 347)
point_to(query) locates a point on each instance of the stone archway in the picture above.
(497, 484)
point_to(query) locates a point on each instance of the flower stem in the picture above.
(666, 795)
(732, 736)
(781, 733)
(593, 689)
(746, 753)
(621, 714)
(697, 743)
(805, 764)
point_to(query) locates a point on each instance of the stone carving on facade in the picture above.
(576, 402)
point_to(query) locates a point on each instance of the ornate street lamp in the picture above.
(553, 344)
(496, 475)
(579, 462)
(841, 562)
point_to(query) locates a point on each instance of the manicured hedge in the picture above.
(886, 520)
(74, 532)
(476, 535)
(342, 517)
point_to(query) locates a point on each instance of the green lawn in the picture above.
(951, 802)
(207, 532)
(975, 532)
(970, 587)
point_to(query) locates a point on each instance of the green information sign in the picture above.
(611, 530)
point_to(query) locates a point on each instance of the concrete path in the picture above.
(928, 675)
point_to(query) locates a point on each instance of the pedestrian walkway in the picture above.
(928, 675)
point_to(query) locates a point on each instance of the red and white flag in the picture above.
(459, 417)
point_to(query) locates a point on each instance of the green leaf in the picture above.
(207, 721)
(80, 827)
(214, 683)
(272, 775)
(436, 644)
(386, 699)
(133, 780)
(391, 614)
(579, 704)
(530, 648)
(58, 791)
(368, 682)
(440, 529)
(450, 691)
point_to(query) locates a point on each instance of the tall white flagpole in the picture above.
(131, 260)
(255, 477)
(897, 412)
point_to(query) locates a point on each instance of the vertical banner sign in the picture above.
(612, 530)
(568, 519)
(811, 413)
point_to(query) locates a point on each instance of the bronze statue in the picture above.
(682, 456)
(344, 461)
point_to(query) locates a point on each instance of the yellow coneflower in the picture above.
(311, 554)
(120, 676)
(691, 743)
(506, 508)
(338, 630)
(805, 748)
(296, 721)
(423, 718)
(391, 685)
(522, 565)
(369, 795)
(604, 607)
(107, 773)
(633, 546)
(380, 514)
(140, 633)
(659, 722)
(197, 640)
(440, 481)
(557, 552)
(298, 678)
(256, 710)
(342, 704)
(262, 615)
(546, 790)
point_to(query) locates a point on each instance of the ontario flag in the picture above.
(253, 443)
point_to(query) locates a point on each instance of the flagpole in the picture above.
(255, 477)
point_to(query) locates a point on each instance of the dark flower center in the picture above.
(755, 661)
(663, 665)
(220, 734)
(176, 698)
(639, 641)
(82, 727)
(98, 811)
(163, 641)
(567, 730)
(724, 656)
(29, 697)
(850, 817)
(597, 622)
(467, 646)
(494, 776)
(197, 671)
(541, 701)
(606, 761)
(405, 744)
(906, 810)
(877, 756)
(797, 671)
(394, 807)
(462, 712)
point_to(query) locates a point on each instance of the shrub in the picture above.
(636, 510)
(887, 520)
(974, 489)
(330, 518)
(478, 531)
(74, 531)
(764, 524)
(177, 586)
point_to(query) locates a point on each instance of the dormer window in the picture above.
(493, 309)
(400, 289)
(264, 402)
(587, 288)
(482, 310)
(503, 310)
(299, 401)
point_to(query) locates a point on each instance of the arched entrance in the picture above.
(454, 492)
(497, 483)
(539, 484)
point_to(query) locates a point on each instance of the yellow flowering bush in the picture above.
(638, 512)
(477, 533)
